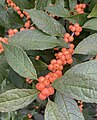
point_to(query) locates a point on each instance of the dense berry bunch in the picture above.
(22, 14)
(80, 8)
(76, 28)
(56, 65)
(63, 57)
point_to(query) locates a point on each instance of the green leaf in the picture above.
(15, 79)
(41, 4)
(88, 45)
(52, 112)
(19, 61)
(2, 2)
(4, 18)
(16, 98)
(93, 12)
(72, 4)
(15, 20)
(46, 23)
(23, 4)
(58, 10)
(60, 2)
(68, 107)
(80, 18)
(34, 40)
(3, 68)
(79, 82)
(91, 24)
(39, 65)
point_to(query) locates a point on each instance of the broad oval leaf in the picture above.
(16, 98)
(93, 12)
(72, 4)
(3, 68)
(52, 112)
(79, 18)
(46, 23)
(68, 107)
(19, 61)
(34, 40)
(60, 2)
(88, 45)
(2, 2)
(58, 10)
(91, 24)
(79, 82)
(23, 4)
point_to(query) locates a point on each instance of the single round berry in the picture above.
(41, 96)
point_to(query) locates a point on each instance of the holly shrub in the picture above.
(48, 59)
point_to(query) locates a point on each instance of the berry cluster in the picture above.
(56, 65)
(80, 8)
(29, 81)
(22, 14)
(4, 40)
(80, 104)
(29, 116)
(76, 28)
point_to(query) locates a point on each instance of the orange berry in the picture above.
(32, 28)
(55, 75)
(46, 82)
(53, 61)
(62, 58)
(52, 78)
(68, 56)
(50, 67)
(77, 33)
(41, 96)
(47, 76)
(29, 116)
(70, 39)
(83, 6)
(59, 73)
(51, 89)
(40, 86)
(71, 46)
(64, 62)
(76, 25)
(15, 30)
(21, 15)
(56, 66)
(16, 8)
(27, 25)
(65, 52)
(1, 48)
(72, 28)
(45, 92)
(66, 35)
(5, 40)
(61, 67)
(71, 51)
(10, 32)
(19, 12)
(22, 29)
(59, 61)
(41, 79)
(63, 49)
(66, 40)
(80, 5)
(70, 61)
(78, 10)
